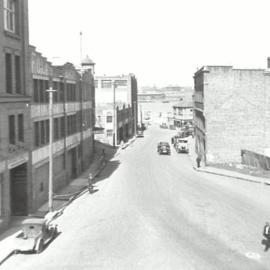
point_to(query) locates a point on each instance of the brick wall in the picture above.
(236, 112)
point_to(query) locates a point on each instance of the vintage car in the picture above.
(164, 148)
(181, 145)
(36, 234)
(164, 125)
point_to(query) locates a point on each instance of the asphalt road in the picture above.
(157, 212)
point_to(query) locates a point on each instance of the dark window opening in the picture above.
(11, 120)
(20, 128)
(8, 73)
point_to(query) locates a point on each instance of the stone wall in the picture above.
(236, 112)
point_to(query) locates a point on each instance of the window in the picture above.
(1, 193)
(119, 83)
(109, 119)
(20, 128)
(106, 84)
(47, 130)
(18, 74)
(71, 124)
(45, 88)
(8, 73)
(62, 127)
(36, 130)
(61, 92)
(42, 133)
(56, 128)
(35, 90)
(109, 132)
(11, 121)
(55, 94)
(9, 15)
(71, 92)
(41, 91)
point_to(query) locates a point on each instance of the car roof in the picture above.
(164, 143)
(38, 221)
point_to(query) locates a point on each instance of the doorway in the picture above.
(18, 190)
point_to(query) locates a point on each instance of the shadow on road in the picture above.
(111, 166)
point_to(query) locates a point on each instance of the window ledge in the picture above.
(12, 35)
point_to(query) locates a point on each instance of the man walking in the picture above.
(198, 160)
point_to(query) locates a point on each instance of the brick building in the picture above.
(15, 132)
(231, 113)
(73, 123)
(116, 107)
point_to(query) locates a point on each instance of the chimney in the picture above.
(268, 62)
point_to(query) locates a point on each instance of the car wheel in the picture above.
(40, 246)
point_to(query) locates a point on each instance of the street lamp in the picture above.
(50, 188)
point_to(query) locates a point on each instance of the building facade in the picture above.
(15, 132)
(73, 124)
(116, 107)
(183, 113)
(231, 112)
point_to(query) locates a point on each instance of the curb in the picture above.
(235, 177)
(8, 256)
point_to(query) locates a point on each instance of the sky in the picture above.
(162, 42)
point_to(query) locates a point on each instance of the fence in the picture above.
(256, 160)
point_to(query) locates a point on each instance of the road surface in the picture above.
(156, 212)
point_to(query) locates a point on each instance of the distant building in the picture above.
(116, 107)
(232, 112)
(73, 124)
(183, 113)
(151, 97)
(15, 132)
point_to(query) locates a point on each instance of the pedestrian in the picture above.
(103, 152)
(198, 160)
(266, 231)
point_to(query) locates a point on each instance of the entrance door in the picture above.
(18, 190)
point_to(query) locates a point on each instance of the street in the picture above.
(155, 211)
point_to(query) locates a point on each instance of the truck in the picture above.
(181, 145)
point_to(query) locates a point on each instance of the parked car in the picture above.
(164, 148)
(181, 146)
(140, 133)
(164, 125)
(36, 234)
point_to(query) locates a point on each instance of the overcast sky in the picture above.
(162, 42)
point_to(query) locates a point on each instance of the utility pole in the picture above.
(50, 203)
(141, 115)
(81, 47)
(114, 116)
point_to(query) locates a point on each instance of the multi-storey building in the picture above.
(116, 107)
(183, 113)
(231, 112)
(73, 123)
(15, 131)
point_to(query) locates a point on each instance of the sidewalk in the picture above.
(232, 174)
(61, 200)
(223, 172)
